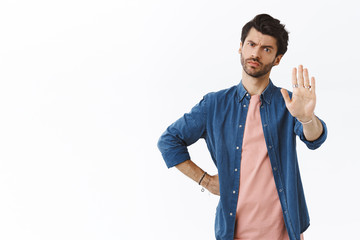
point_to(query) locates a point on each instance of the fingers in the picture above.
(294, 77)
(286, 96)
(300, 75)
(307, 81)
(300, 78)
(313, 85)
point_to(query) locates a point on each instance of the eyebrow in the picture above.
(268, 46)
(263, 46)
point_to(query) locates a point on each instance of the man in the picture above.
(250, 131)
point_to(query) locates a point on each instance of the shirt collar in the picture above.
(265, 95)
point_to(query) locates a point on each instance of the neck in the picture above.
(255, 86)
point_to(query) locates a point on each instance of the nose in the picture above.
(255, 52)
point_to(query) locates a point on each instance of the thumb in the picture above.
(286, 96)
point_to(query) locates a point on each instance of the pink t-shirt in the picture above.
(259, 215)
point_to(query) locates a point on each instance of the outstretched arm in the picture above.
(303, 101)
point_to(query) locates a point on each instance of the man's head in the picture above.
(268, 25)
(263, 43)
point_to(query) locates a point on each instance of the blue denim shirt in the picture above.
(220, 118)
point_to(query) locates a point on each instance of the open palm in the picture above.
(303, 101)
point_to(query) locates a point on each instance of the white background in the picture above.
(87, 88)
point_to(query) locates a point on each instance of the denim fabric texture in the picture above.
(219, 118)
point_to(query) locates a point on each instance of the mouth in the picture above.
(253, 63)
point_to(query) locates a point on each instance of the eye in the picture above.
(267, 50)
(251, 44)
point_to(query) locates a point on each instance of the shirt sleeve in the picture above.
(185, 131)
(311, 144)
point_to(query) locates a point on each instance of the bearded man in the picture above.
(250, 130)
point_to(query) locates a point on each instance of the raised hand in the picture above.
(303, 101)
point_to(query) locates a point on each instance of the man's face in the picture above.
(258, 53)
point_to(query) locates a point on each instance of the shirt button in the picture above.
(247, 94)
(240, 125)
(270, 147)
(244, 105)
(235, 169)
(237, 147)
(234, 192)
(231, 214)
(275, 168)
(262, 106)
(280, 190)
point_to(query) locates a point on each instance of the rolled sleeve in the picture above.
(311, 144)
(185, 131)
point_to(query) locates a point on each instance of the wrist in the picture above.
(206, 180)
(306, 120)
(202, 178)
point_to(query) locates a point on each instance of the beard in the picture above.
(263, 69)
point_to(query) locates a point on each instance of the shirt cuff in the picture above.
(311, 144)
(174, 158)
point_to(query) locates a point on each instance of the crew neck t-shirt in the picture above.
(259, 214)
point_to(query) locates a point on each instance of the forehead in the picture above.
(259, 38)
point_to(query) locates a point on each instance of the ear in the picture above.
(277, 59)
(240, 48)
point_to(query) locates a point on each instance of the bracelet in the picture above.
(305, 122)
(203, 188)
(202, 178)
